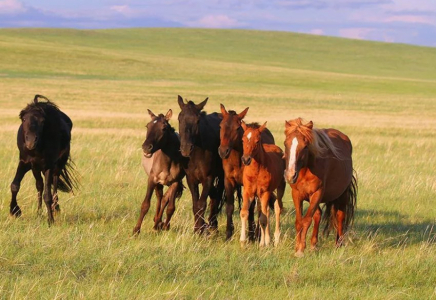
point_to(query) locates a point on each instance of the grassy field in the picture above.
(382, 95)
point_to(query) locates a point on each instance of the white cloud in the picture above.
(123, 9)
(215, 21)
(411, 19)
(317, 31)
(10, 7)
(355, 33)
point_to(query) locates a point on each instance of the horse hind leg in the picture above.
(278, 208)
(158, 215)
(22, 169)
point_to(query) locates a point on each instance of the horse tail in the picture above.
(67, 181)
(35, 100)
(329, 216)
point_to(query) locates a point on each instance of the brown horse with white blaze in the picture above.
(262, 175)
(319, 169)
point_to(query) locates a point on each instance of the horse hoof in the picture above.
(166, 227)
(136, 232)
(243, 244)
(299, 254)
(16, 212)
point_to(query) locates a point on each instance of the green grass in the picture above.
(381, 95)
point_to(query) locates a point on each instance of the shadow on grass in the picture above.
(394, 228)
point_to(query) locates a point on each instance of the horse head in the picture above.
(251, 141)
(157, 130)
(297, 141)
(189, 119)
(32, 121)
(230, 127)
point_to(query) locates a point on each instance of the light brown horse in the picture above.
(262, 175)
(319, 169)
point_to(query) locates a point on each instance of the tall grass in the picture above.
(381, 95)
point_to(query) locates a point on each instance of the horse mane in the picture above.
(41, 107)
(171, 128)
(319, 142)
(253, 125)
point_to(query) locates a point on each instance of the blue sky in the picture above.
(400, 21)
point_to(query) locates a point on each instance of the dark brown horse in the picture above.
(230, 150)
(43, 140)
(199, 140)
(319, 169)
(162, 162)
(262, 175)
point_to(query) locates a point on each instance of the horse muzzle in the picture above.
(246, 160)
(31, 142)
(291, 176)
(187, 150)
(147, 150)
(224, 152)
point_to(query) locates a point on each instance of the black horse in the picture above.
(199, 140)
(43, 140)
(162, 162)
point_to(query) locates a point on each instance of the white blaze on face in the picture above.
(292, 155)
(154, 122)
(249, 136)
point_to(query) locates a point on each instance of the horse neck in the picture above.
(260, 156)
(172, 146)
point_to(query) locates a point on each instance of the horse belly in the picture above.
(337, 180)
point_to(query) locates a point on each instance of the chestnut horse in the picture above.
(262, 175)
(43, 140)
(230, 150)
(199, 140)
(162, 162)
(319, 169)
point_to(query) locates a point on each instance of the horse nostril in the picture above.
(294, 178)
(192, 148)
(150, 147)
(227, 151)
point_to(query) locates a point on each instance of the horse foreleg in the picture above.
(48, 198)
(193, 187)
(230, 207)
(39, 187)
(298, 203)
(145, 205)
(340, 207)
(247, 199)
(316, 220)
(307, 220)
(22, 169)
(265, 237)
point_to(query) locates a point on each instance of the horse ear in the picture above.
(244, 126)
(180, 101)
(310, 125)
(201, 105)
(223, 110)
(287, 124)
(169, 115)
(151, 113)
(261, 128)
(242, 114)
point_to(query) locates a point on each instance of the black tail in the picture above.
(329, 216)
(35, 100)
(67, 181)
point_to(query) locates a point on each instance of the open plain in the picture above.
(383, 96)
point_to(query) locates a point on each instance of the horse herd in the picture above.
(223, 154)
